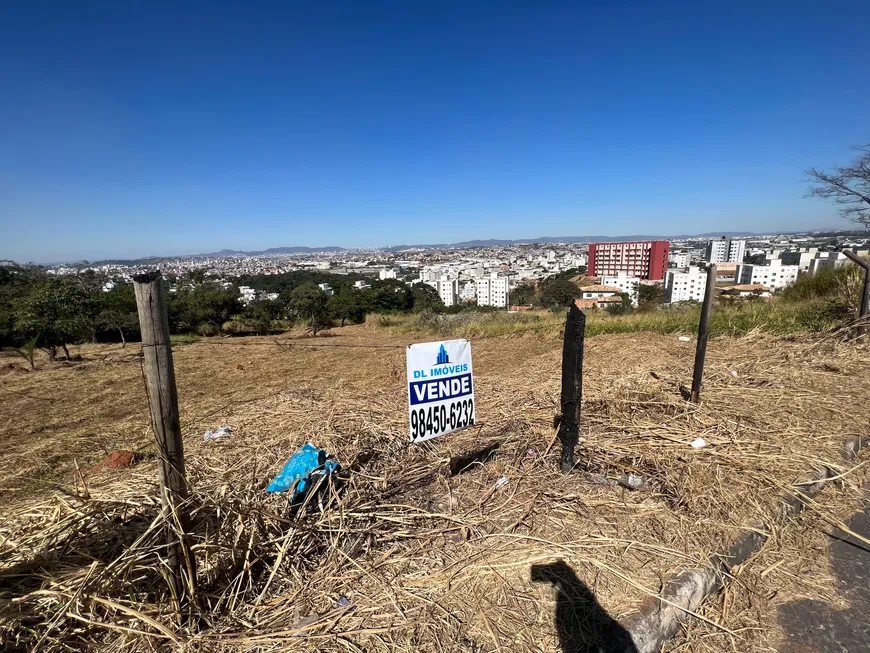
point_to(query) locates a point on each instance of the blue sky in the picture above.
(133, 128)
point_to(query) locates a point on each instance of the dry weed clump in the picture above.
(405, 556)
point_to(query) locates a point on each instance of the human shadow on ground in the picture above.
(814, 626)
(582, 624)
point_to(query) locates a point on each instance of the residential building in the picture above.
(625, 284)
(466, 291)
(326, 288)
(598, 291)
(827, 261)
(688, 286)
(773, 275)
(448, 291)
(801, 258)
(726, 250)
(645, 260)
(361, 285)
(388, 274)
(679, 259)
(492, 292)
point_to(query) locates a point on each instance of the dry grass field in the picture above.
(409, 557)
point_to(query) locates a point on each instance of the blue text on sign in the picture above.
(423, 392)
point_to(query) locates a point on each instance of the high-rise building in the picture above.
(448, 291)
(492, 292)
(725, 250)
(646, 259)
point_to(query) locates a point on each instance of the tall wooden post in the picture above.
(163, 404)
(572, 385)
(703, 334)
(864, 310)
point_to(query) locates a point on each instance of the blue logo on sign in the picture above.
(442, 356)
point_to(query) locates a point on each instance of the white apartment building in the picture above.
(827, 261)
(361, 285)
(679, 259)
(773, 275)
(448, 291)
(326, 288)
(726, 250)
(493, 292)
(624, 282)
(801, 257)
(466, 291)
(388, 274)
(688, 286)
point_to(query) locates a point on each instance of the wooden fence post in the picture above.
(703, 334)
(163, 404)
(864, 309)
(572, 385)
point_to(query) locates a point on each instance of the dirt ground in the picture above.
(413, 557)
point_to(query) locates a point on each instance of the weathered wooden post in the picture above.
(572, 385)
(864, 310)
(703, 334)
(163, 404)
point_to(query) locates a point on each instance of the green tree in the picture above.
(523, 295)
(57, 312)
(650, 296)
(346, 303)
(559, 292)
(116, 311)
(390, 295)
(426, 298)
(623, 308)
(308, 302)
(203, 309)
(260, 315)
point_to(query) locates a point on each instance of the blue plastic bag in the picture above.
(302, 470)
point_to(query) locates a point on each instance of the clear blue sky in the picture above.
(132, 128)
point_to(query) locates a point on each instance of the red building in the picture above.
(647, 259)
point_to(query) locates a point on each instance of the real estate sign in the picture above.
(440, 388)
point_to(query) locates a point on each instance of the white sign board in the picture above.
(440, 388)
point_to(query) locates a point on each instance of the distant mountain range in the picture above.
(493, 242)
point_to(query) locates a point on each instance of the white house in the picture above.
(326, 288)
(773, 275)
(688, 286)
(362, 285)
(624, 282)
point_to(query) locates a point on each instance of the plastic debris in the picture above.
(222, 432)
(501, 482)
(343, 601)
(531, 453)
(697, 443)
(684, 339)
(303, 470)
(630, 481)
(734, 373)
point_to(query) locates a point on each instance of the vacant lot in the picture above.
(410, 557)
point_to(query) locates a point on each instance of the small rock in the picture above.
(684, 339)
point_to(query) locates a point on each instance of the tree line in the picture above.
(39, 310)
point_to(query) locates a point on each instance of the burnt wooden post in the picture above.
(703, 334)
(864, 309)
(572, 385)
(163, 404)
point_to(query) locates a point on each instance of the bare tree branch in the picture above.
(849, 187)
